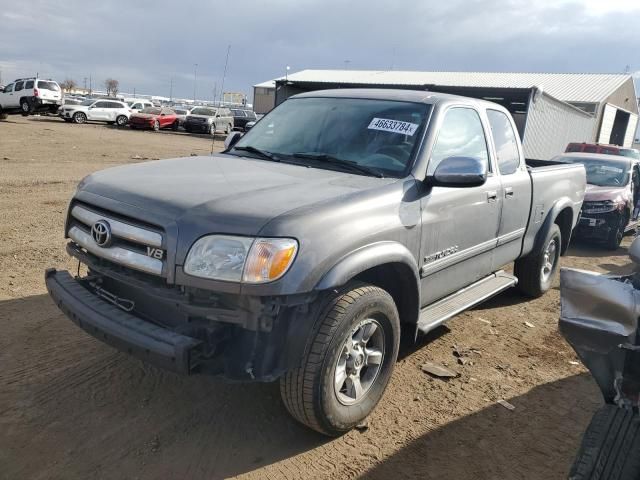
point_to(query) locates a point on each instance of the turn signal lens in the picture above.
(269, 259)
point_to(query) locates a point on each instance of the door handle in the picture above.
(508, 192)
(492, 196)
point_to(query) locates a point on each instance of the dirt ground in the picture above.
(73, 408)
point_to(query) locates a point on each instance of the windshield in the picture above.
(630, 152)
(603, 173)
(48, 86)
(377, 134)
(180, 112)
(203, 111)
(152, 111)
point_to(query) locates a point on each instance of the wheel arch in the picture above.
(388, 265)
(561, 214)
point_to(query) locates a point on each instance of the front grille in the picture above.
(132, 245)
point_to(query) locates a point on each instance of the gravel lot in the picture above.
(71, 407)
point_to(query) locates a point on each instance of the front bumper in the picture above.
(597, 226)
(144, 340)
(197, 127)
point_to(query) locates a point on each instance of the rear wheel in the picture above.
(79, 117)
(25, 107)
(121, 120)
(610, 447)
(175, 125)
(537, 270)
(349, 361)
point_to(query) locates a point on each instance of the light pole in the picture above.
(195, 77)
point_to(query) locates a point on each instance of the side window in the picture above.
(100, 105)
(506, 144)
(461, 135)
(8, 88)
(19, 86)
(116, 105)
(29, 84)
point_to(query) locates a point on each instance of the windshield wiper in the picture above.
(345, 164)
(257, 151)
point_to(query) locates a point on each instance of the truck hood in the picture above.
(594, 193)
(217, 194)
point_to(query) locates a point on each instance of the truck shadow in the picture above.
(84, 410)
(538, 440)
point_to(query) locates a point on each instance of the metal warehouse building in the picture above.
(550, 109)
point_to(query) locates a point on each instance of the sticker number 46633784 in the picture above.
(396, 126)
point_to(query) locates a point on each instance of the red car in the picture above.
(155, 118)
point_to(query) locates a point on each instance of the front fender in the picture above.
(367, 257)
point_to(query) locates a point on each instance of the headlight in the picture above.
(599, 207)
(235, 259)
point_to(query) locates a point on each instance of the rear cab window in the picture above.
(46, 85)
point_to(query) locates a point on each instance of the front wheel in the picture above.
(617, 233)
(175, 125)
(79, 117)
(537, 270)
(349, 361)
(121, 120)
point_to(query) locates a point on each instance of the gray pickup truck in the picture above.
(302, 252)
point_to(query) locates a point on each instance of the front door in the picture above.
(98, 111)
(459, 225)
(515, 189)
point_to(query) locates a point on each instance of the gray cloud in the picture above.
(145, 44)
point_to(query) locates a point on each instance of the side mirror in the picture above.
(232, 139)
(249, 126)
(459, 172)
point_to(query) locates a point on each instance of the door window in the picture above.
(19, 86)
(29, 84)
(100, 105)
(506, 144)
(8, 88)
(461, 135)
(115, 105)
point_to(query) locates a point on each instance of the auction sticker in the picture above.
(396, 126)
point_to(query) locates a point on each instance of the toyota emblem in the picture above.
(101, 233)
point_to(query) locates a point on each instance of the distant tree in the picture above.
(68, 85)
(112, 86)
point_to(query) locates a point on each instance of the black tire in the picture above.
(616, 234)
(68, 120)
(187, 129)
(133, 127)
(3, 115)
(26, 108)
(156, 126)
(121, 120)
(175, 125)
(610, 447)
(532, 280)
(79, 117)
(309, 392)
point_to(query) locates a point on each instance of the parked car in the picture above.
(613, 191)
(302, 251)
(97, 110)
(154, 118)
(182, 113)
(30, 95)
(209, 120)
(599, 319)
(604, 149)
(136, 105)
(242, 116)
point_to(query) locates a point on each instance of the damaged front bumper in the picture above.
(599, 318)
(183, 329)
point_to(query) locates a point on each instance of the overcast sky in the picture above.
(144, 44)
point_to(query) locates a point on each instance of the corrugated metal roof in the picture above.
(568, 87)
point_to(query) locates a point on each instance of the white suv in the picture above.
(29, 95)
(137, 105)
(97, 110)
